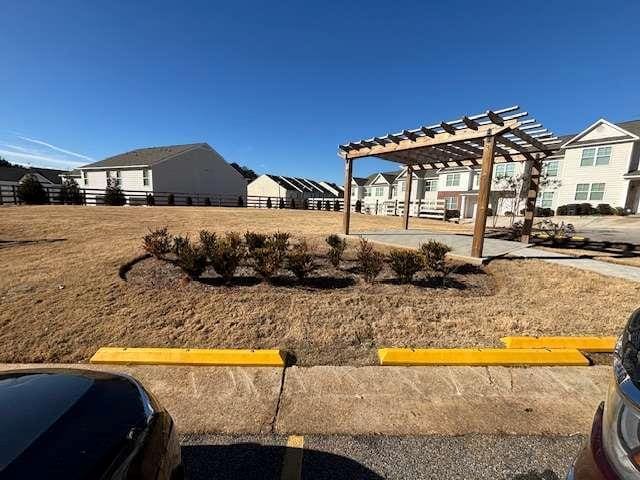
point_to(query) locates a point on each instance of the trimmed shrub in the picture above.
(434, 256)
(229, 252)
(300, 260)
(269, 205)
(585, 209)
(207, 202)
(209, 242)
(157, 242)
(305, 204)
(370, 261)
(171, 199)
(268, 260)
(562, 210)
(454, 214)
(254, 240)
(319, 205)
(240, 202)
(151, 201)
(358, 206)
(281, 204)
(327, 205)
(619, 211)
(337, 247)
(189, 201)
(31, 192)
(604, 209)
(292, 203)
(114, 197)
(189, 257)
(336, 206)
(405, 264)
(70, 193)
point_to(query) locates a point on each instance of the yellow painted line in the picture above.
(292, 460)
(189, 356)
(480, 356)
(584, 344)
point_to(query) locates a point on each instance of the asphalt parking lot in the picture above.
(380, 457)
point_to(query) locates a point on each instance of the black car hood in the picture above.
(67, 423)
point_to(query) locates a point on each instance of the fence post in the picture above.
(419, 206)
(376, 206)
(15, 195)
(395, 208)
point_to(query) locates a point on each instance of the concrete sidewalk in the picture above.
(460, 244)
(604, 268)
(373, 400)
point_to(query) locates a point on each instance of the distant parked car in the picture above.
(613, 450)
(72, 424)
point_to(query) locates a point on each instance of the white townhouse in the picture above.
(193, 169)
(358, 185)
(598, 166)
(279, 186)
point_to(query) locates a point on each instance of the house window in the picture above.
(85, 178)
(367, 192)
(145, 176)
(597, 156)
(453, 180)
(597, 191)
(379, 191)
(451, 203)
(504, 170)
(430, 185)
(401, 186)
(584, 191)
(551, 168)
(545, 200)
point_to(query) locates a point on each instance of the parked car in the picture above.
(63, 423)
(613, 450)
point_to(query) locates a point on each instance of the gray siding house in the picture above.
(193, 169)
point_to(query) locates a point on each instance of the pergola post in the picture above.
(408, 180)
(483, 196)
(535, 169)
(348, 174)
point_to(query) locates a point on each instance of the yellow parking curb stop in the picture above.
(480, 356)
(584, 344)
(189, 356)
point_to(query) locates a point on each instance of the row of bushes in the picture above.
(588, 209)
(268, 254)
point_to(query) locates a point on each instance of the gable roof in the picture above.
(15, 174)
(359, 181)
(627, 133)
(143, 156)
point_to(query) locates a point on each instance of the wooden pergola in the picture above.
(496, 136)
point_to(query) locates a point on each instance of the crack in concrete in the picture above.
(272, 423)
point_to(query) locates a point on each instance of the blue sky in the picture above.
(278, 85)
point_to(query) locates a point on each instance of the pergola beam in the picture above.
(440, 138)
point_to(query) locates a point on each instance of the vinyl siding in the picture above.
(571, 174)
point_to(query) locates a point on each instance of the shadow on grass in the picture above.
(13, 243)
(248, 281)
(430, 282)
(316, 283)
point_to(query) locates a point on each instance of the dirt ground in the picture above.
(61, 297)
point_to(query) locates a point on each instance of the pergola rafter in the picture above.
(495, 136)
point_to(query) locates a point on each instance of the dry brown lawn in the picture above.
(61, 297)
(632, 261)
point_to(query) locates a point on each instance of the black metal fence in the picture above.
(56, 195)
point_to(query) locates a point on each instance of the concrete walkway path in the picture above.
(460, 243)
(372, 400)
(609, 269)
